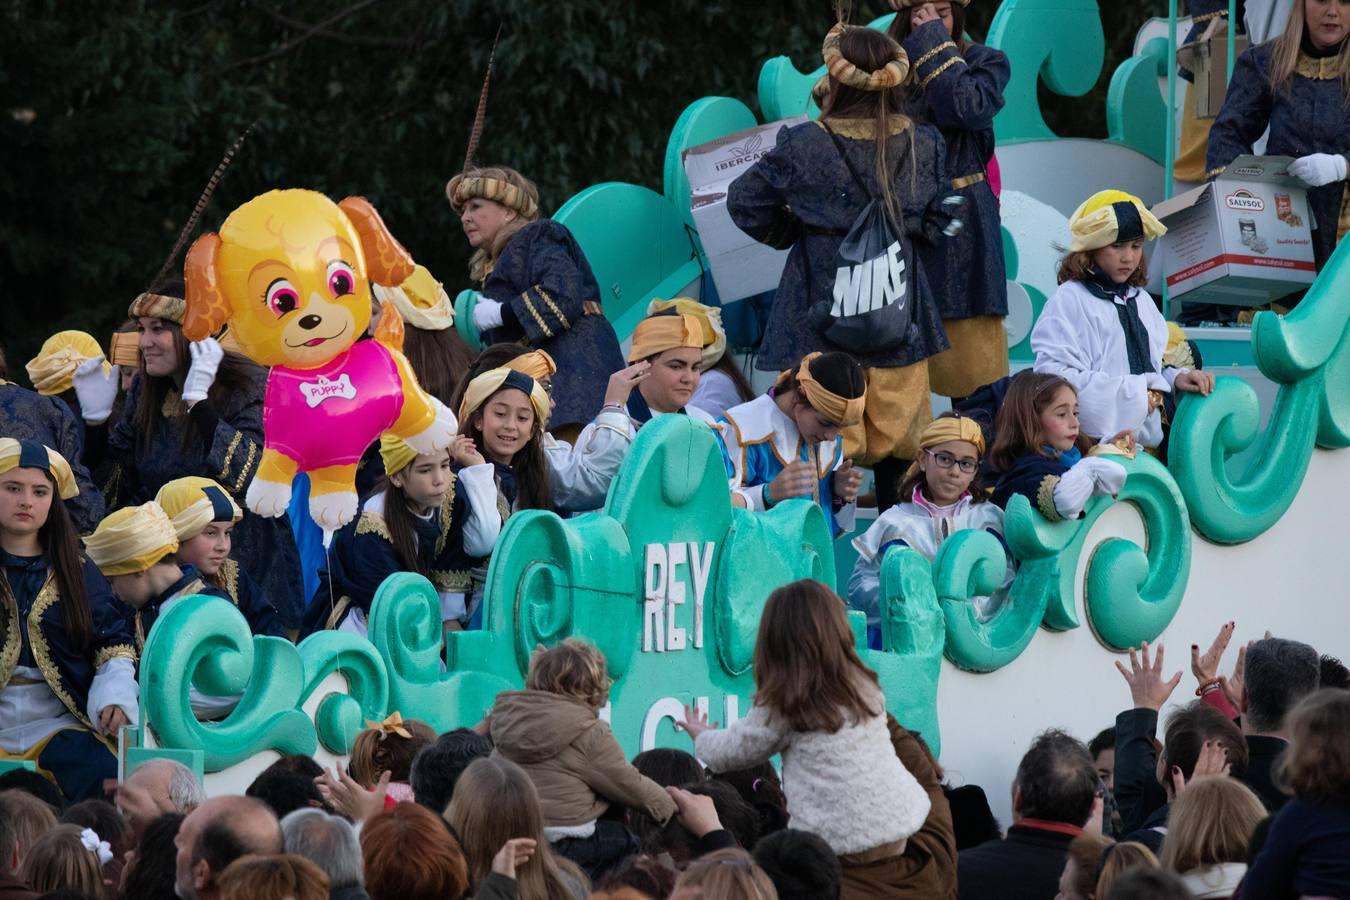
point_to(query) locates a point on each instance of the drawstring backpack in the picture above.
(870, 308)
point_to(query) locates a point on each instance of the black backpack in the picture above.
(871, 304)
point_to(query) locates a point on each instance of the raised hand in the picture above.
(1205, 667)
(1148, 690)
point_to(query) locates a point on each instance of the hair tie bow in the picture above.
(393, 724)
(100, 848)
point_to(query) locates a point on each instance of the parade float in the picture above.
(668, 578)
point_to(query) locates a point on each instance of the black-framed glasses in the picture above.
(945, 460)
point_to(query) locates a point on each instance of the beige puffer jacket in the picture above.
(572, 757)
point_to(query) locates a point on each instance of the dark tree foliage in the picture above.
(114, 113)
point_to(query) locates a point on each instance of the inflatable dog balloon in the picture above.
(289, 272)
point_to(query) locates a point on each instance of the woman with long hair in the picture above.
(958, 86)
(1209, 830)
(197, 409)
(67, 667)
(1298, 86)
(494, 803)
(808, 194)
(536, 287)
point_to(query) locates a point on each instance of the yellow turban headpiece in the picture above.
(395, 452)
(657, 334)
(842, 410)
(494, 380)
(1109, 217)
(841, 70)
(193, 503)
(537, 364)
(132, 540)
(158, 306)
(709, 317)
(52, 369)
(32, 455)
(953, 428)
(421, 301)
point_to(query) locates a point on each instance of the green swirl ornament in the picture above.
(339, 717)
(268, 671)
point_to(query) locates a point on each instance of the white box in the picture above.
(1243, 240)
(741, 266)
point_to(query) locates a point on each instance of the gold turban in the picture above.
(537, 364)
(494, 380)
(32, 455)
(480, 183)
(709, 317)
(158, 306)
(953, 428)
(657, 334)
(842, 410)
(1109, 217)
(395, 452)
(193, 503)
(52, 370)
(132, 540)
(421, 301)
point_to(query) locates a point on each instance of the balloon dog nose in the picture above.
(310, 322)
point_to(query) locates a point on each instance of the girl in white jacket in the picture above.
(823, 710)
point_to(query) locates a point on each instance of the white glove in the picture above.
(206, 357)
(1318, 169)
(487, 314)
(95, 390)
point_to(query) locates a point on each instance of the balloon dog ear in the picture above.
(207, 309)
(387, 262)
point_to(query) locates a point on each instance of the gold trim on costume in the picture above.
(966, 181)
(13, 646)
(339, 611)
(229, 580)
(940, 69)
(1216, 171)
(1318, 69)
(1045, 498)
(373, 523)
(552, 307)
(934, 52)
(1205, 17)
(172, 407)
(248, 464)
(863, 129)
(548, 332)
(447, 516)
(229, 453)
(116, 651)
(446, 580)
(47, 597)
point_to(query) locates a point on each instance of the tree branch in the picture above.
(297, 41)
(358, 40)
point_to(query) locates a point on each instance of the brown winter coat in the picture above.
(572, 757)
(927, 868)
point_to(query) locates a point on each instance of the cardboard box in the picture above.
(1207, 58)
(1243, 240)
(741, 266)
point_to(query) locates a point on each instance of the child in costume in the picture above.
(721, 383)
(841, 774)
(67, 667)
(552, 730)
(671, 344)
(134, 549)
(1102, 331)
(941, 495)
(204, 517)
(424, 518)
(536, 286)
(1037, 450)
(808, 194)
(787, 443)
(1298, 87)
(957, 85)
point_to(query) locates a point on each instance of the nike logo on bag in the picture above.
(874, 284)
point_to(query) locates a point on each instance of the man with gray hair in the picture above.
(329, 842)
(156, 787)
(1275, 675)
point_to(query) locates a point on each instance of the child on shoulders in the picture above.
(1037, 450)
(1102, 331)
(940, 495)
(553, 731)
(822, 709)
